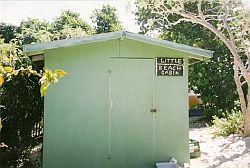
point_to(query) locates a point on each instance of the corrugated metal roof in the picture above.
(41, 47)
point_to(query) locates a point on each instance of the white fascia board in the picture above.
(30, 48)
(171, 45)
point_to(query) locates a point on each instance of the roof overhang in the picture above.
(39, 48)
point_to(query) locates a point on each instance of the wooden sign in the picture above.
(169, 66)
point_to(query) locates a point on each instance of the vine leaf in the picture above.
(1, 81)
(44, 89)
(60, 73)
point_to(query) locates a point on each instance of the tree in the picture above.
(204, 75)
(233, 25)
(106, 20)
(69, 24)
(34, 31)
(8, 31)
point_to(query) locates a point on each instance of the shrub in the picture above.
(21, 109)
(231, 123)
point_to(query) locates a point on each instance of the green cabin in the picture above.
(124, 103)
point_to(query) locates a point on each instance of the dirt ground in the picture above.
(219, 152)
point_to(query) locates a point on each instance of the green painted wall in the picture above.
(99, 115)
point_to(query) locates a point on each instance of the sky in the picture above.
(15, 11)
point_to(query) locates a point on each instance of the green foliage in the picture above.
(21, 103)
(48, 78)
(8, 53)
(34, 31)
(69, 24)
(12, 62)
(22, 108)
(106, 20)
(143, 17)
(68, 32)
(8, 31)
(231, 123)
(71, 19)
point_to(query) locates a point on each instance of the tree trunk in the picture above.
(245, 106)
(247, 123)
(246, 115)
(239, 89)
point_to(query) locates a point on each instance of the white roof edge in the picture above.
(171, 45)
(70, 42)
(30, 48)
